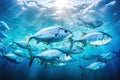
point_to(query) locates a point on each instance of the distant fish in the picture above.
(56, 64)
(22, 44)
(92, 24)
(4, 26)
(96, 66)
(110, 3)
(13, 58)
(95, 38)
(74, 50)
(51, 34)
(107, 56)
(20, 53)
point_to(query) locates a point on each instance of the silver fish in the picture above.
(74, 50)
(92, 24)
(50, 56)
(51, 34)
(19, 53)
(95, 38)
(96, 66)
(108, 56)
(13, 58)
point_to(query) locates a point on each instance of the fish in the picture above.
(56, 64)
(13, 58)
(61, 61)
(4, 26)
(107, 56)
(92, 24)
(90, 57)
(50, 34)
(22, 44)
(19, 53)
(95, 38)
(74, 50)
(49, 56)
(96, 66)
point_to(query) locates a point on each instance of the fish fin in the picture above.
(45, 66)
(83, 34)
(58, 57)
(27, 40)
(31, 57)
(41, 63)
(81, 67)
(71, 43)
(13, 42)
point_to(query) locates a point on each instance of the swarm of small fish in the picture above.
(55, 56)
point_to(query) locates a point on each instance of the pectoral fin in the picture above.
(55, 35)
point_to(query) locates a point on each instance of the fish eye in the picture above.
(66, 31)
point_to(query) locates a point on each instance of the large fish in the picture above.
(96, 66)
(92, 24)
(95, 38)
(51, 34)
(4, 26)
(50, 56)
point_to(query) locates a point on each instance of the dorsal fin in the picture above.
(83, 34)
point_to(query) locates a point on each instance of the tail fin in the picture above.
(31, 57)
(81, 67)
(13, 42)
(71, 43)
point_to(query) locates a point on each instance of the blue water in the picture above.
(24, 21)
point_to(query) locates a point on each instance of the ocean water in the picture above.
(25, 19)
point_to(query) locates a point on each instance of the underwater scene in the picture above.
(59, 39)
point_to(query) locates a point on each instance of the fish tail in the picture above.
(13, 41)
(28, 40)
(81, 67)
(31, 57)
(71, 43)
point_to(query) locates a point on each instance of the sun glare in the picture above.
(60, 4)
